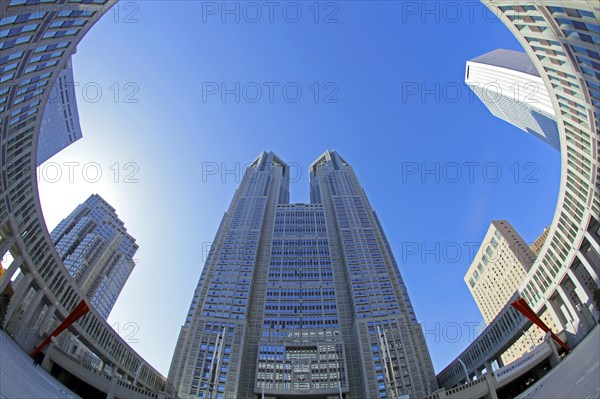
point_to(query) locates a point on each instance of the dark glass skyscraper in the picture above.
(97, 251)
(301, 300)
(60, 122)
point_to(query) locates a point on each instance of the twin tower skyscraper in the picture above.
(301, 300)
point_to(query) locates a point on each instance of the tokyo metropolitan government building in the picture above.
(301, 300)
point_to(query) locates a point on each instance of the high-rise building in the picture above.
(60, 121)
(537, 245)
(97, 251)
(301, 300)
(498, 269)
(509, 85)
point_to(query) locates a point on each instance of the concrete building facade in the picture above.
(97, 251)
(537, 245)
(301, 300)
(37, 42)
(561, 38)
(60, 121)
(509, 85)
(498, 269)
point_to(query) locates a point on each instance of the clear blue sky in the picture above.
(177, 132)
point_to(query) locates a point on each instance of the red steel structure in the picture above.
(524, 308)
(75, 315)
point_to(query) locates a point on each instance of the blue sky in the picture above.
(180, 150)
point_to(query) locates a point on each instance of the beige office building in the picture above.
(536, 246)
(498, 269)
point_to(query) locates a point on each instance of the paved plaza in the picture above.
(19, 379)
(577, 376)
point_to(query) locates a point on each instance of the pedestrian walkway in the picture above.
(19, 379)
(577, 376)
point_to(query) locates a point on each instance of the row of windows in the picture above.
(588, 33)
(21, 122)
(300, 243)
(299, 323)
(304, 263)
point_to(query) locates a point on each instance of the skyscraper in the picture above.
(537, 245)
(60, 122)
(498, 269)
(509, 85)
(301, 299)
(97, 251)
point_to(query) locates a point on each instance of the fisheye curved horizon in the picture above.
(224, 191)
(570, 250)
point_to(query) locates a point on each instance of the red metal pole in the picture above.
(524, 308)
(75, 315)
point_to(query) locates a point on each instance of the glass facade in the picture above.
(36, 39)
(561, 39)
(300, 299)
(60, 121)
(300, 348)
(509, 85)
(97, 252)
(564, 43)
